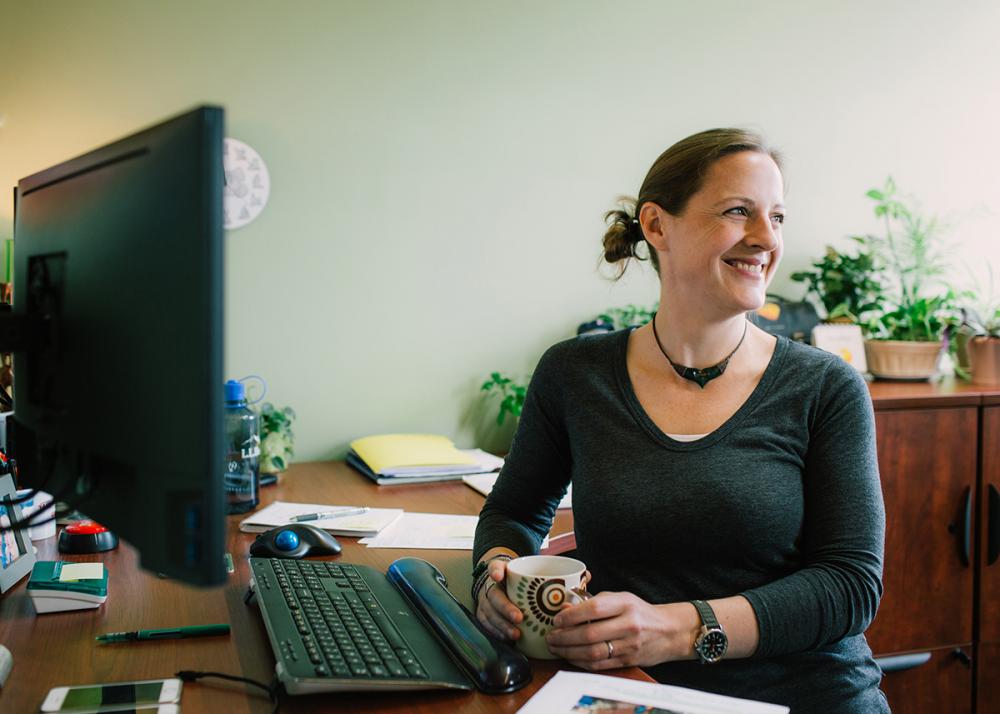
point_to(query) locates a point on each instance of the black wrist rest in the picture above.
(493, 665)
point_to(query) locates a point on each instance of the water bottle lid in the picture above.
(235, 391)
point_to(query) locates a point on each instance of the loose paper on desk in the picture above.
(580, 692)
(433, 531)
(427, 530)
(484, 484)
(281, 513)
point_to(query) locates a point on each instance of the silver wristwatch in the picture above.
(712, 643)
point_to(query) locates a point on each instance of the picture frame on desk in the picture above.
(17, 554)
(845, 341)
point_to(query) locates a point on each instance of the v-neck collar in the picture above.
(767, 380)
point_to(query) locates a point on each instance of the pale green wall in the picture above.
(440, 169)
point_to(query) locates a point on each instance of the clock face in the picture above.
(713, 645)
(247, 183)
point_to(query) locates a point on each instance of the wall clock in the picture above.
(247, 183)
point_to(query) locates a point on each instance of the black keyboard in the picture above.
(335, 627)
(343, 629)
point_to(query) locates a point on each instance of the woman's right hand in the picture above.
(499, 615)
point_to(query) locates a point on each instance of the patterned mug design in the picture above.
(543, 598)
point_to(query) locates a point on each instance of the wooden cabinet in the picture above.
(938, 682)
(928, 490)
(937, 632)
(988, 644)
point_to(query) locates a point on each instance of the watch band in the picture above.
(712, 643)
(707, 614)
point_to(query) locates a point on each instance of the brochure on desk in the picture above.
(578, 692)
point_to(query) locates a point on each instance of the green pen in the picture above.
(167, 634)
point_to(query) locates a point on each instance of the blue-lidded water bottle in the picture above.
(242, 469)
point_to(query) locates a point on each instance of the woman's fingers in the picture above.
(495, 610)
(494, 623)
(591, 652)
(497, 622)
(496, 596)
(599, 607)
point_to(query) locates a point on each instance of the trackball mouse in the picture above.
(296, 540)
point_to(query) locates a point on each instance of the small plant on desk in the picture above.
(511, 392)
(276, 438)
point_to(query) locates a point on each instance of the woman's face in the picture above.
(725, 246)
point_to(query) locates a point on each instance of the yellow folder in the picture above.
(401, 454)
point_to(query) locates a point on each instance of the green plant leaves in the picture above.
(512, 394)
(628, 316)
(276, 435)
(845, 284)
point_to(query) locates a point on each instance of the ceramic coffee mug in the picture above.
(540, 585)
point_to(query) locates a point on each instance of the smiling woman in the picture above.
(747, 460)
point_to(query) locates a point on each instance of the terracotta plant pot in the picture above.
(896, 359)
(984, 357)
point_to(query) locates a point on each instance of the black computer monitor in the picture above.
(118, 395)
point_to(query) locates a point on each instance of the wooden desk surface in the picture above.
(59, 649)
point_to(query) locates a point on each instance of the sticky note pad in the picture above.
(72, 572)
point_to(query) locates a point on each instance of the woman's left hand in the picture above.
(619, 629)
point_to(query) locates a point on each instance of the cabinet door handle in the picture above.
(966, 535)
(960, 654)
(899, 663)
(993, 533)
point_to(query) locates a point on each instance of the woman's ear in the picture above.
(653, 221)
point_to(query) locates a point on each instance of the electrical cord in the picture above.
(188, 675)
(45, 462)
(35, 518)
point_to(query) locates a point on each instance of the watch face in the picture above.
(712, 645)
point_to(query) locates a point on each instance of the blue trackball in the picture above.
(286, 541)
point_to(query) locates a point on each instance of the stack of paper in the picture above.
(391, 459)
(281, 513)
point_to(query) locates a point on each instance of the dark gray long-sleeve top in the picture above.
(781, 504)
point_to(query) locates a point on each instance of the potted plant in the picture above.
(845, 284)
(905, 328)
(511, 392)
(983, 349)
(511, 395)
(618, 318)
(276, 440)
(979, 334)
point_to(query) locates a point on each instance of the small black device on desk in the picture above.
(86, 537)
(339, 627)
(296, 540)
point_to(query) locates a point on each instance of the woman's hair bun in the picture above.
(623, 235)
